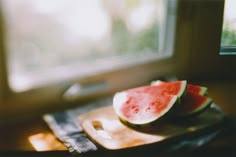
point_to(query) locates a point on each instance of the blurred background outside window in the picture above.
(228, 38)
(77, 35)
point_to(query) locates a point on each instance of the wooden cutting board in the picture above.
(103, 127)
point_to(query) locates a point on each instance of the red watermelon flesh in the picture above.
(146, 104)
(175, 88)
(190, 87)
(191, 104)
(197, 89)
(142, 108)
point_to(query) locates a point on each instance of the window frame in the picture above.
(205, 62)
(228, 50)
(192, 25)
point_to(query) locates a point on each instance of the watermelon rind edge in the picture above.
(205, 105)
(203, 91)
(183, 90)
(197, 111)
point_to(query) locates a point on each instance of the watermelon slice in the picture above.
(144, 105)
(197, 89)
(141, 108)
(190, 87)
(192, 104)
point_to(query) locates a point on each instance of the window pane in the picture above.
(46, 35)
(228, 38)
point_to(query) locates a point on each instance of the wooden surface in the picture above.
(104, 127)
(15, 137)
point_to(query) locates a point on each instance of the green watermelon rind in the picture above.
(135, 126)
(182, 91)
(203, 90)
(205, 105)
(145, 122)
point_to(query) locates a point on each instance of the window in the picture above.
(52, 56)
(89, 36)
(58, 51)
(228, 38)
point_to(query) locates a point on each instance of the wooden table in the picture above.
(15, 139)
